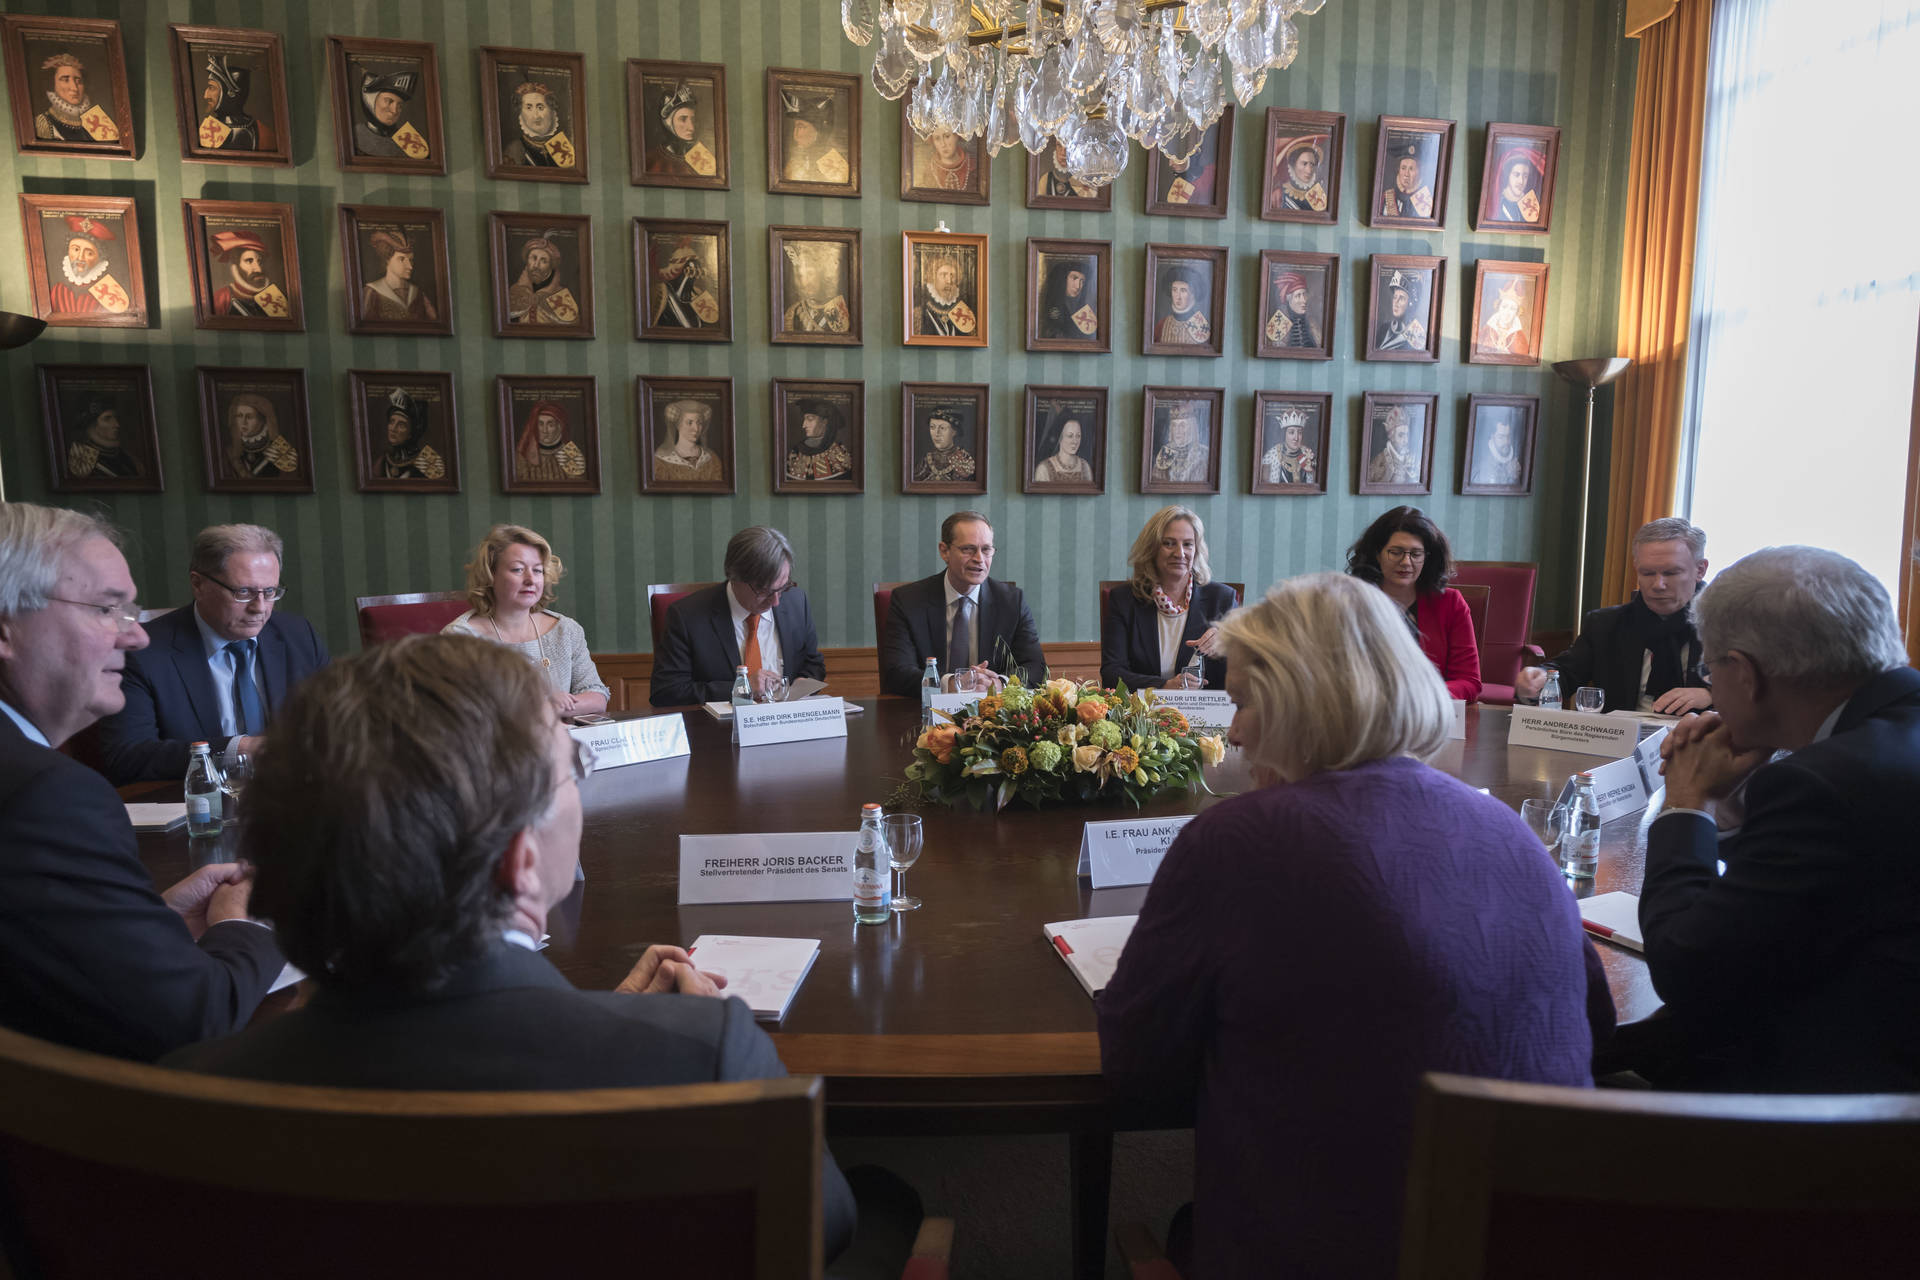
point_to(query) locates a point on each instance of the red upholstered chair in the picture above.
(415, 613)
(1504, 628)
(660, 598)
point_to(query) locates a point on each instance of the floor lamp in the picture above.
(17, 330)
(1591, 374)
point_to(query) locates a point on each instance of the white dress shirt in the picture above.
(769, 635)
(27, 726)
(973, 620)
(221, 663)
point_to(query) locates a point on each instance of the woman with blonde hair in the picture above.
(1308, 948)
(509, 583)
(1162, 617)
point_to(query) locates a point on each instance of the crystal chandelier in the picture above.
(1087, 73)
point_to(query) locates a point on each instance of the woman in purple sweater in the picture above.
(1309, 948)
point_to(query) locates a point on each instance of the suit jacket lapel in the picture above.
(783, 626)
(272, 656)
(190, 663)
(721, 618)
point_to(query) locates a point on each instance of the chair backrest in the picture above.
(413, 613)
(1508, 632)
(882, 600)
(660, 598)
(1106, 587)
(101, 1161)
(1505, 1176)
(1476, 598)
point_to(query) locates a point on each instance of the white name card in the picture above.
(634, 741)
(1592, 735)
(1200, 706)
(1127, 851)
(1457, 727)
(1647, 755)
(952, 703)
(766, 722)
(1618, 788)
(803, 866)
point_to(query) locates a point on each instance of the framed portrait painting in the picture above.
(1183, 433)
(1195, 187)
(1066, 449)
(102, 433)
(83, 261)
(1070, 295)
(396, 264)
(542, 272)
(813, 133)
(1290, 431)
(1516, 184)
(943, 167)
(1509, 312)
(819, 436)
(1050, 186)
(230, 92)
(944, 289)
(386, 106)
(815, 285)
(246, 266)
(254, 436)
(943, 437)
(549, 433)
(1186, 300)
(406, 432)
(1498, 460)
(1410, 172)
(1298, 292)
(683, 280)
(1304, 154)
(1396, 442)
(533, 114)
(686, 435)
(67, 85)
(677, 125)
(1403, 307)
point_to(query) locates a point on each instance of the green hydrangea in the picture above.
(1045, 756)
(1016, 698)
(1104, 734)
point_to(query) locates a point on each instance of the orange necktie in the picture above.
(752, 655)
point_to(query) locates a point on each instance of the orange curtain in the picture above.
(1656, 286)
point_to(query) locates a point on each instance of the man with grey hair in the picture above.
(90, 954)
(217, 670)
(1644, 653)
(757, 618)
(1798, 969)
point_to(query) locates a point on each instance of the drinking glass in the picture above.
(776, 693)
(1546, 820)
(235, 767)
(903, 850)
(968, 680)
(1589, 699)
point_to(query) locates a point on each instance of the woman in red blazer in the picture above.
(1405, 555)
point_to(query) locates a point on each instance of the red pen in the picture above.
(1600, 929)
(1060, 941)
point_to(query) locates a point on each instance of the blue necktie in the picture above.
(246, 695)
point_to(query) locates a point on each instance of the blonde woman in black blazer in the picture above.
(1161, 616)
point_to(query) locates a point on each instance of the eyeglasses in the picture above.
(125, 617)
(1706, 669)
(245, 595)
(1413, 554)
(971, 550)
(774, 593)
(584, 758)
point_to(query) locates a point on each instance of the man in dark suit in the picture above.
(90, 955)
(1798, 970)
(217, 670)
(961, 617)
(757, 619)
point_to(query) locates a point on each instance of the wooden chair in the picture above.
(1506, 638)
(1239, 596)
(660, 598)
(412, 613)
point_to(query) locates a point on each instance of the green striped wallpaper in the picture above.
(1471, 61)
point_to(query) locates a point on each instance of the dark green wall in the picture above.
(1473, 61)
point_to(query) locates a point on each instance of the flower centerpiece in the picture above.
(1061, 742)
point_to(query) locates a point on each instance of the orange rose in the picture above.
(940, 741)
(1090, 710)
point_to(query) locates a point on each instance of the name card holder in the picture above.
(951, 703)
(801, 866)
(1647, 755)
(1128, 851)
(769, 722)
(1579, 731)
(1457, 726)
(1211, 707)
(638, 741)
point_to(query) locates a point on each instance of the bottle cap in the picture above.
(865, 807)
(739, 671)
(200, 746)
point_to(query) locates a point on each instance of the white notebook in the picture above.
(764, 972)
(158, 817)
(1615, 917)
(1091, 948)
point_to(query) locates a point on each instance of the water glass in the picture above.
(773, 693)
(235, 767)
(1589, 699)
(903, 850)
(1546, 820)
(969, 680)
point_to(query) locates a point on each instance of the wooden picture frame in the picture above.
(1075, 465)
(1169, 463)
(1413, 333)
(245, 260)
(1291, 432)
(1049, 187)
(533, 114)
(549, 432)
(1290, 328)
(677, 125)
(1493, 467)
(813, 133)
(1197, 187)
(1517, 179)
(101, 429)
(246, 120)
(663, 406)
(928, 165)
(106, 288)
(682, 280)
(1303, 161)
(1397, 464)
(1415, 199)
(957, 410)
(72, 58)
(1061, 316)
(957, 319)
(1203, 270)
(813, 286)
(386, 106)
(254, 433)
(541, 269)
(834, 462)
(397, 276)
(1509, 312)
(417, 421)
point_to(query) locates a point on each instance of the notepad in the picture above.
(1615, 917)
(764, 972)
(158, 817)
(1092, 947)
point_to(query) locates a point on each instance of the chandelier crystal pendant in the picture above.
(1089, 74)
